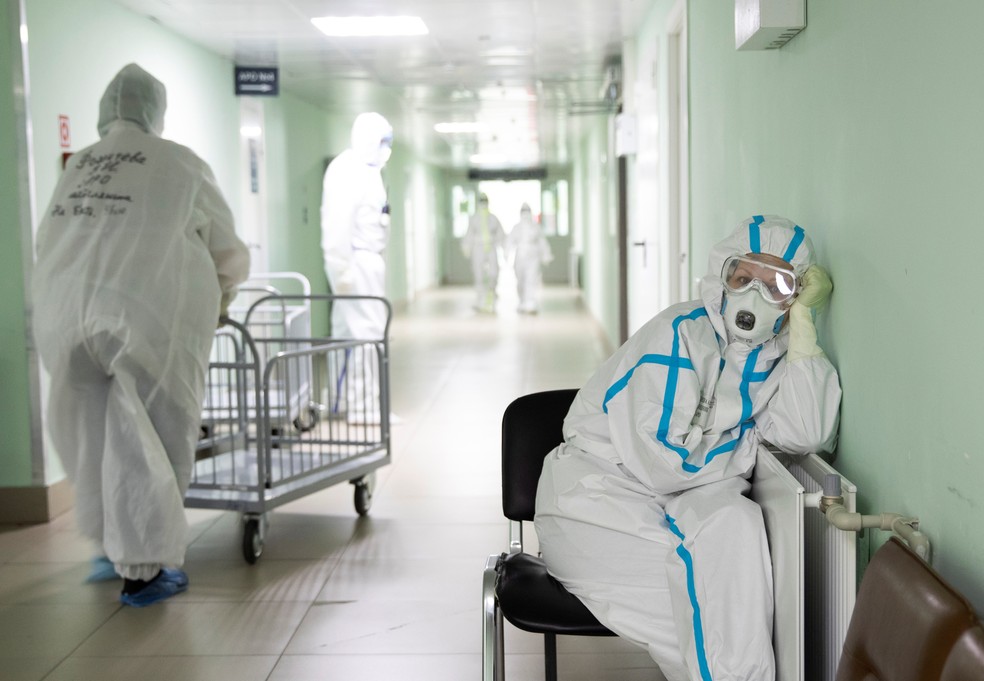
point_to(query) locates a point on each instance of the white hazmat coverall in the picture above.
(136, 257)
(481, 244)
(531, 251)
(641, 511)
(354, 234)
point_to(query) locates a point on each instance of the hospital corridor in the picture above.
(392, 596)
(307, 303)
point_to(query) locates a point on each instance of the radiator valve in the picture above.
(831, 492)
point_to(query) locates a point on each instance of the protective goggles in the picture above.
(775, 284)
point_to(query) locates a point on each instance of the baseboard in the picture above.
(25, 505)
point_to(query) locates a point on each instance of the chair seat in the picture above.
(534, 601)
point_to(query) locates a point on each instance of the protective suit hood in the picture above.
(770, 234)
(133, 95)
(372, 138)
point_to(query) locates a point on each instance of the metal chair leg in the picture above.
(550, 657)
(500, 647)
(491, 621)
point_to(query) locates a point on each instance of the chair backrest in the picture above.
(966, 661)
(905, 621)
(532, 426)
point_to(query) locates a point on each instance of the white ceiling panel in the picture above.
(519, 65)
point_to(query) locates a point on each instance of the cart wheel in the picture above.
(304, 425)
(252, 540)
(363, 494)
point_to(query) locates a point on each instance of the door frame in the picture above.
(678, 172)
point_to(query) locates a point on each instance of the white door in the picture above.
(252, 225)
(658, 245)
(643, 250)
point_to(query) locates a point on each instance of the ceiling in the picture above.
(530, 70)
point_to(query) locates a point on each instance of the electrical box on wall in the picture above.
(626, 135)
(767, 24)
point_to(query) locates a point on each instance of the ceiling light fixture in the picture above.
(344, 27)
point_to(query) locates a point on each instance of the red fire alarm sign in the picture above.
(64, 131)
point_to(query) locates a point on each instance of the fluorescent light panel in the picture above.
(343, 27)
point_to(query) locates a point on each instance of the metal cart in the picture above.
(268, 315)
(254, 454)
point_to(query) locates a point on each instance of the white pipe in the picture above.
(812, 499)
(905, 527)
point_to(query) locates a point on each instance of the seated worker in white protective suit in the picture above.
(531, 252)
(641, 511)
(137, 258)
(482, 244)
(354, 234)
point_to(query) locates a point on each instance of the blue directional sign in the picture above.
(258, 80)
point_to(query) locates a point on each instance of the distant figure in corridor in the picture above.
(354, 233)
(137, 259)
(530, 252)
(482, 244)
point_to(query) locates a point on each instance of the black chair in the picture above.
(516, 585)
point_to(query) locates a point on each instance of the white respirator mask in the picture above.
(750, 319)
(384, 156)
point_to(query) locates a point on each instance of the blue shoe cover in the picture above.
(169, 583)
(179, 577)
(101, 570)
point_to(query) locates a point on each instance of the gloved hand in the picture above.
(223, 310)
(343, 285)
(812, 296)
(816, 288)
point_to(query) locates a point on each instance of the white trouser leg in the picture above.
(720, 577)
(362, 319)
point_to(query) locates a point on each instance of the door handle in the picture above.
(644, 250)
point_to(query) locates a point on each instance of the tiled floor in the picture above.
(393, 596)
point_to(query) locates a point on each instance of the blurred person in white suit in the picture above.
(137, 259)
(354, 234)
(482, 245)
(531, 251)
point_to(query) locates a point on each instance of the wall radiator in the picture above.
(814, 565)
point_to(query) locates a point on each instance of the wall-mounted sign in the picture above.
(64, 131)
(258, 80)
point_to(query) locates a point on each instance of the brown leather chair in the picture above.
(905, 621)
(966, 660)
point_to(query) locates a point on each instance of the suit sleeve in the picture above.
(804, 413)
(229, 254)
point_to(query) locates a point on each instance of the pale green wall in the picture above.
(594, 205)
(15, 418)
(299, 139)
(868, 129)
(75, 50)
(69, 69)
